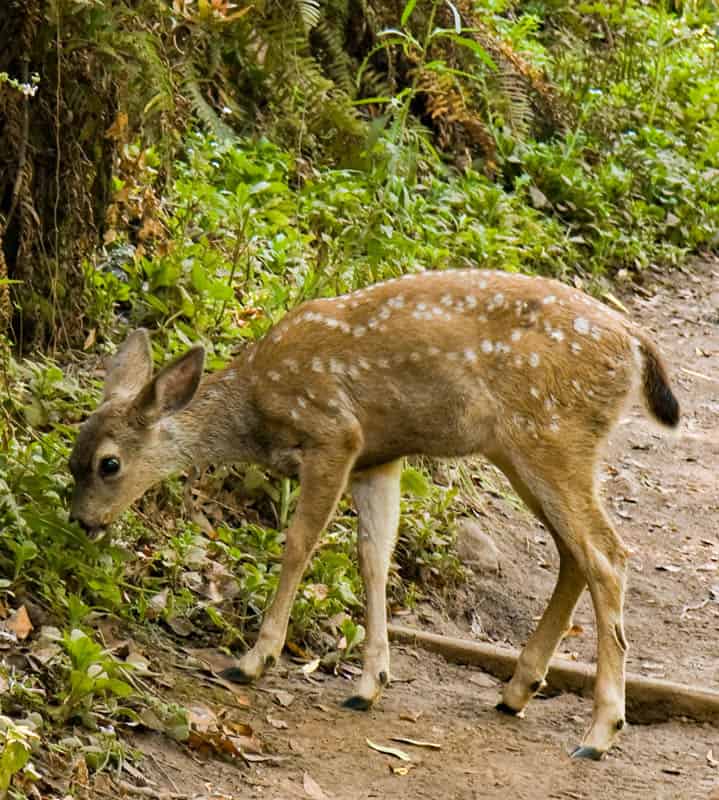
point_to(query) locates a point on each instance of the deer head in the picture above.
(130, 443)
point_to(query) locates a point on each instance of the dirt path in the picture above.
(663, 494)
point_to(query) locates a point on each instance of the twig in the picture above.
(164, 772)
(699, 375)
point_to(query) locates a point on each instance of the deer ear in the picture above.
(130, 368)
(172, 388)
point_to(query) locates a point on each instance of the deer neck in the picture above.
(216, 427)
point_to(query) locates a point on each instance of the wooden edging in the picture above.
(648, 700)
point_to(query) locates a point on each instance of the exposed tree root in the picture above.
(648, 700)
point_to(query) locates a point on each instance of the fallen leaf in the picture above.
(575, 630)
(157, 604)
(310, 667)
(538, 198)
(19, 623)
(416, 742)
(312, 788)
(202, 718)
(180, 625)
(400, 770)
(411, 716)
(390, 751)
(615, 301)
(278, 724)
(285, 699)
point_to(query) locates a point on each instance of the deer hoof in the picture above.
(588, 752)
(357, 703)
(505, 709)
(236, 675)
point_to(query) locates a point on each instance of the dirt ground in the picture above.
(663, 494)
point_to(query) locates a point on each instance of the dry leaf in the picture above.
(390, 751)
(411, 716)
(278, 724)
(400, 770)
(575, 630)
(285, 699)
(417, 742)
(19, 623)
(312, 788)
(310, 667)
(202, 718)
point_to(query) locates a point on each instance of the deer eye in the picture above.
(109, 466)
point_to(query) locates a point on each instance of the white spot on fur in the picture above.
(433, 351)
(301, 402)
(310, 394)
(414, 356)
(470, 355)
(273, 376)
(446, 300)
(482, 284)
(360, 330)
(487, 346)
(332, 403)
(291, 365)
(518, 361)
(354, 373)
(294, 414)
(336, 367)
(533, 360)
(421, 306)
(317, 365)
(471, 301)
(557, 335)
(581, 325)
(383, 363)
(576, 347)
(364, 364)
(516, 335)
(534, 392)
(596, 333)
(550, 298)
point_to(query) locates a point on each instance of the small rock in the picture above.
(476, 548)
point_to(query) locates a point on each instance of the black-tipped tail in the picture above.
(659, 397)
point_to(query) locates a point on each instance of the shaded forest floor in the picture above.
(663, 494)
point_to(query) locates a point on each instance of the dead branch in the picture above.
(648, 700)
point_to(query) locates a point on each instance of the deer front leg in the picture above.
(376, 496)
(323, 477)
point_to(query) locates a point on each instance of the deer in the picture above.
(526, 371)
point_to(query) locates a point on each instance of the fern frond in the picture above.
(202, 109)
(310, 13)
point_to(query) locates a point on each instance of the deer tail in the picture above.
(656, 391)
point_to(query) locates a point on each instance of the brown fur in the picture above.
(527, 371)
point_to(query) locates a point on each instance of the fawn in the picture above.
(527, 371)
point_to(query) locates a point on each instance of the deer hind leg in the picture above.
(376, 495)
(578, 519)
(534, 659)
(323, 477)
